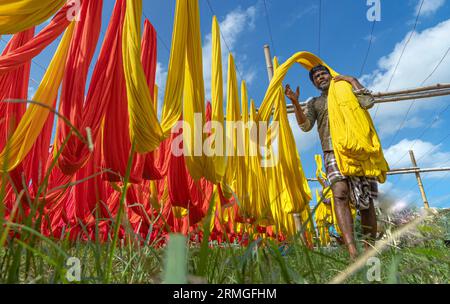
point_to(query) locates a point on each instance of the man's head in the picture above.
(321, 77)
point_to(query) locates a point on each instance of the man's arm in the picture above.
(364, 96)
(352, 80)
(306, 122)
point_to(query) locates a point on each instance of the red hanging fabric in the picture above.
(81, 52)
(116, 138)
(156, 162)
(34, 47)
(183, 190)
(13, 85)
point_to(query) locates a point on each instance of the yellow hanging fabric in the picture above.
(233, 180)
(198, 163)
(355, 142)
(324, 219)
(218, 117)
(308, 226)
(184, 82)
(172, 106)
(31, 124)
(202, 163)
(290, 164)
(145, 130)
(288, 188)
(257, 184)
(19, 15)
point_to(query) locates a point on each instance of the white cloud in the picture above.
(392, 199)
(429, 7)
(161, 77)
(421, 56)
(427, 155)
(423, 52)
(235, 23)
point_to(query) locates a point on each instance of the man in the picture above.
(360, 190)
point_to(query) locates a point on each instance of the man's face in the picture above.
(322, 80)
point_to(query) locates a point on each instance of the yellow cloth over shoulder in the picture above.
(20, 15)
(31, 124)
(355, 141)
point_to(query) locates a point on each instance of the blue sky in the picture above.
(344, 41)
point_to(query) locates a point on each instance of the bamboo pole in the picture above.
(415, 90)
(268, 62)
(412, 170)
(413, 96)
(417, 170)
(419, 180)
(395, 96)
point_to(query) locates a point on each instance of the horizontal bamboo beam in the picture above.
(412, 170)
(438, 86)
(410, 94)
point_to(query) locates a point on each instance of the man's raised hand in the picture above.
(291, 95)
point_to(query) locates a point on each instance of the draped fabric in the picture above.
(167, 191)
(194, 101)
(355, 141)
(17, 16)
(218, 117)
(172, 106)
(145, 130)
(34, 47)
(156, 162)
(288, 188)
(22, 140)
(184, 80)
(289, 159)
(232, 183)
(257, 184)
(324, 219)
(116, 141)
(81, 52)
(13, 85)
(184, 191)
(356, 144)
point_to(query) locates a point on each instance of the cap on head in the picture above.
(316, 69)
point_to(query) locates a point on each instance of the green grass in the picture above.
(426, 260)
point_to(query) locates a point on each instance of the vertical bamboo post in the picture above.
(270, 72)
(419, 180)
(268, 61)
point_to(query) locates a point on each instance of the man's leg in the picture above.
(341, 194)
(369, 224)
